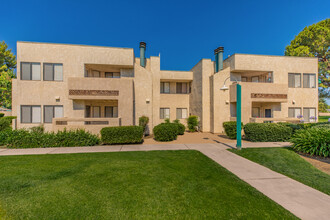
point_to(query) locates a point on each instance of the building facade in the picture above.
(91, 87)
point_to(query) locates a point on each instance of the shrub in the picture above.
(326, 126)
(166, 132)
(8, 118)
(23, 138)
(122, 135)
(2, 114)
(294, 127)
(143, 122)
(4, 124)
(230, 129)
(265, 132)
(313, 141)
(181, 128)
(4, 135)
(192, 122)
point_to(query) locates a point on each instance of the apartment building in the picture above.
(77, 86)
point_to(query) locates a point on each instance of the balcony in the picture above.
(263, 120)
(260, 92)
(86, 88)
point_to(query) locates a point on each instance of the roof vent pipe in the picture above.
(218, 59)
(143, 54)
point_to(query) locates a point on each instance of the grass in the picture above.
(127, 185)
(289, 163)
(324, 118)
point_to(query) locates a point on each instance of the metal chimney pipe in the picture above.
(218, 59)
(143, 46)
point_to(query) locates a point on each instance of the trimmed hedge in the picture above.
(181, 127)
(8, 118)
(230, 129)
(267, 132)
(166, 132)
(36, 138)
(122, 135)
(2, 114)
(4, 124)
(313, 141)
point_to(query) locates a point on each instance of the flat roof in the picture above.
(269, 56)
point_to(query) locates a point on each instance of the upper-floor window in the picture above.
(244, 79)
(309, 80)
(255, 78)
(294, 112)
(30, 114)
(164, 87)
(182, 88)
(294, 80)
(52, 111)
(30, 71)
(112, 75)
(164, 113)
(53, 72)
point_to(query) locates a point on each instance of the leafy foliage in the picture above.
(122, 135)
(4, 124)
(36, 138)
(267, 132)
(181, 128)
(314, 41)
(230, 129)
(313, 141)
(2, 114)
(143, 122)
(166, 132)
(323, 106)
(192, 122)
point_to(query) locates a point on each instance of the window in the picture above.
(294, 112)
(182, 88)
(87, 111)
(255, 78)
(255, 112)
(164, 87)
(53, 72)
(181, 113)
(96, 111)
(30, 71)
(294, 80)
(244, 79)
(309, 80)
(111, 111)
(30, 114)
(93, 73)
(52, 111)
(164, 113)
(112, 75)
(309, 114)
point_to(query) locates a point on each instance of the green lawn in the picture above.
(127, 185)
(289, 163)
(323, 118)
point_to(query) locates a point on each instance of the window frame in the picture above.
(53, 106)
(308, 82)
(182, 92)
(30, 64)
(294, 112)
(112, 115)
(163, 91)
(294, 78)
(53, 69)
(31, 114)
(181, 113)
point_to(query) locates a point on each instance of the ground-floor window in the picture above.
(30, 114)
(256, 112)
(164, 113)
(309, 114)
(52, 111)
(294, 112)
(111, 111)
(181, 113)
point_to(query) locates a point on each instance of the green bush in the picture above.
(266, 132)
(122, 135)
(327, 126)
(8, 118)
(166, 132)
(4, 124)
(230, 129)
(181, 128)
(313, 141)
(23, 138)
(2, 114)
(4, 135)
(192, 122)
(143, 122)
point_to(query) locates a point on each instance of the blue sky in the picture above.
(183, 32)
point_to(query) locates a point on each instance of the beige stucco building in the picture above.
(76, 86)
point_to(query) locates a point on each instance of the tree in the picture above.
(314, 41)
(323, 106)
(7, 66)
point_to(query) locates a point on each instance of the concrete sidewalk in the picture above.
(303, 201)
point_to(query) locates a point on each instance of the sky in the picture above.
(182, 32)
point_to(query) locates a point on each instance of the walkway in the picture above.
(303, 201)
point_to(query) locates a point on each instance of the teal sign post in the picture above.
(239, 116)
